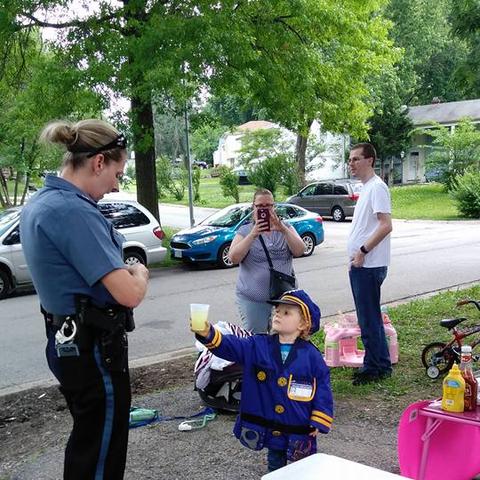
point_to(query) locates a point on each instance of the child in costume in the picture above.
(286, 395)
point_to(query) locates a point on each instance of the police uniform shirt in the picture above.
(69, 246)
(294, 393)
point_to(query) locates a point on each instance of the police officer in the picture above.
(86, 293)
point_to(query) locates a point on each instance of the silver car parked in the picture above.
(142, 232)
(335, 198)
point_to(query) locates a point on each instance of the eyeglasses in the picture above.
(263, 205)
(357, 159)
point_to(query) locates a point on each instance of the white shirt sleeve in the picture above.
(381, 199)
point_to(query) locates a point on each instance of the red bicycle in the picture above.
(438, 357)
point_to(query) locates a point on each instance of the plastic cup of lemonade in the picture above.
(199, 316)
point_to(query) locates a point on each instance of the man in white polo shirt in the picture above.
(369, 254)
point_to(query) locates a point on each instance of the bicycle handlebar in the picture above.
(466, 301)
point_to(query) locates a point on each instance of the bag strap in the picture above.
(266, 251)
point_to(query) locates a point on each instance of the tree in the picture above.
(390, 126)
(453, 152)
(466, 25)
(35, 87)
(269, 158)
(297, 60)
(431, 54)
(205, 141)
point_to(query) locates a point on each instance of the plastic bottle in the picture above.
(470, 396)
(453, 391)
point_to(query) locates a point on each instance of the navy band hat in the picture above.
(309, 308)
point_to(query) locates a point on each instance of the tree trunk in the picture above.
(145, 172)
(300, 154)
(4, 195)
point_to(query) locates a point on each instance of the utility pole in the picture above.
(189, 167)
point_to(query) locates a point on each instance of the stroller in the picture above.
(218, 381)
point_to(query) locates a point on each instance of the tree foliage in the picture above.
(204, 141)
(171, 179)
(296, 60)
(36, 86)
(229, 183)
(466, 24)
(467, 193)
(454, 152)
(431, 54)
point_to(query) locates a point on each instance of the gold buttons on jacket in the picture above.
(276, 433)
(261, 375)
(279, 408)
(282, 381)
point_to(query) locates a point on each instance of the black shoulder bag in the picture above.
(279, 282)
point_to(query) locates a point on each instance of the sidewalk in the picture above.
(363, 433)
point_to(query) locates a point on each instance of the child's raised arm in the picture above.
(228, 347)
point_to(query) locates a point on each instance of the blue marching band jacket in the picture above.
(281, 402)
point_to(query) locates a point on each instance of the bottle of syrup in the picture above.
(470, 396)
(453, 391)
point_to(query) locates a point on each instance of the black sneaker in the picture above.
(363, 378)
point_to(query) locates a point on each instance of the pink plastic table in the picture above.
(434, 444)
(435, 418)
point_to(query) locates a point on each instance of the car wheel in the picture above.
(309, 241)
(5, 284)
(338, 214)
(132, 258)
(222, 258)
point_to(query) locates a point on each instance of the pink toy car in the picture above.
(341, 348)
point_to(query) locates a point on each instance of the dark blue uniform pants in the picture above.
(99, 402)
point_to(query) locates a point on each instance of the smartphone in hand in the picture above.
(263, 215)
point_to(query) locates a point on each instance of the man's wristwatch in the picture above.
(363, 249)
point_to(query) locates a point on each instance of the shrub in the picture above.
(164, 175)
(196, 174)
(291, 177)
(171, 179)
(467, 193)
(267, 173)
(229, 183)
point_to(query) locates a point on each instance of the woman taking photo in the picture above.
(86, 293)
(253, 285)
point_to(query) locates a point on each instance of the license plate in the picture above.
(177, 253)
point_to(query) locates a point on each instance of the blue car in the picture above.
(210, 240)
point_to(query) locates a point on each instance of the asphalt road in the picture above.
(426, 256)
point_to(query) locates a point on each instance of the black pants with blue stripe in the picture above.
(99, 402)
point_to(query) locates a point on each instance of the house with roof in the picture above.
(425, 117)
(328, 165)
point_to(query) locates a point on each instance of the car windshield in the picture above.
(228, 217)
(7, 217)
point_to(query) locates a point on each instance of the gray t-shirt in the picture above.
(254, 276)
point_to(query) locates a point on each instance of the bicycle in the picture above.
(438, 357)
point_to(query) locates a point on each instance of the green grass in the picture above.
(417, 324)
(211, 195)
(423, 202)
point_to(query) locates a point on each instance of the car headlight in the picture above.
(204, 240)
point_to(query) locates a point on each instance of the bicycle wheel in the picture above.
(436, 355)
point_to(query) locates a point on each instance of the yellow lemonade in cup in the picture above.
(199, 316)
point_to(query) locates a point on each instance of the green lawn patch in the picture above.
(423, 202)
(417, 324)
(211, 195)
